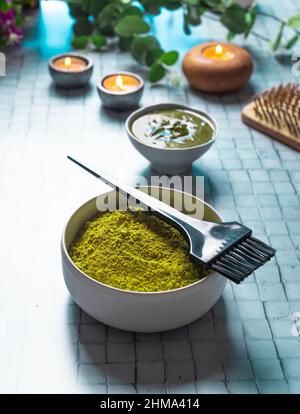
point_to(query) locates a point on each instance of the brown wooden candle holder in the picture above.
(217, 67)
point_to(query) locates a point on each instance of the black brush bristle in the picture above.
(243, 259)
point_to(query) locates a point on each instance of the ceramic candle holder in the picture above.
(217, 67)
(71, 70)
(115, 98)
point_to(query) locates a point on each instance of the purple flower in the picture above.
(10, 32)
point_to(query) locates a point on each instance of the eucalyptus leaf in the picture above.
(132, 11)
(292, 41)
(141, 45)
(250, 18)
(157, 52)
(172, 4)
(96, 6)
(294, 21)
(152, 55)
(108, 17)
(75, 10)
(192, 2)
(98, 41)
(194, 16)
(80, 42)
(4, 6)
(149, 58)
(1, 37)
(276, 45)
(125, 43)
(169, 58)
(151, 7)
(157, 72)
(85, 4)
(82, 26)
(230, 36)
(19, 19)
(131, 25)
(186, 24)
(234, 18)
(215, 4)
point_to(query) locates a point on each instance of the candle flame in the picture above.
(219, 50)
(68, 61)
(119, 82)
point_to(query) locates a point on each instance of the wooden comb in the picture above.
(276, 112)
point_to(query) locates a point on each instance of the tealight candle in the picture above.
(71, 70)
(217, 67)
(121, 83)
(122, 90)
(70, 64)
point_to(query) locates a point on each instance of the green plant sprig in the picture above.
(98, 20)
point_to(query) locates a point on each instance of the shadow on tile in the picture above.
(187, 355)
(112, 114)
(189, 186)
(243, 95)
(69, 93)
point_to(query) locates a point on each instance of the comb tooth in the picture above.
(280, 106)
(261, 105)
(256, 108)
(295, 121)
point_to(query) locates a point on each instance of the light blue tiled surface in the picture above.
(247, 343)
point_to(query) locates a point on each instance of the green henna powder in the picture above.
(134, 251)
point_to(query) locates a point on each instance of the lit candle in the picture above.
(217, 67)
(71, 64)
(72, 70)
(122, 90)
(219, 52)
(121, 83)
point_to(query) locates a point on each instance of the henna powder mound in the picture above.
(134, 251)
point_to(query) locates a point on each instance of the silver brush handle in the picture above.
(147, 201)
(206, 240)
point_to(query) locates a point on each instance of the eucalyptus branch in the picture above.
(271, 16)
(278, 19)
(96, 20)
(260, 36)
(254, 33)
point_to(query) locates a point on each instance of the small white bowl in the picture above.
(169, 160)
(138, 311)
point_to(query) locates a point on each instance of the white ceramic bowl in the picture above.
(169, 160)
(138, 311)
